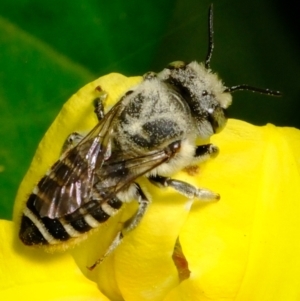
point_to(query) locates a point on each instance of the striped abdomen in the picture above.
(37, 230)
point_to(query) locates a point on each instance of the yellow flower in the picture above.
(244, 247)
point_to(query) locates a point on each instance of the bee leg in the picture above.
(205, 152)
(98, 103)
(72, 140)
(184, 188)
(143, 202)
(129, 225)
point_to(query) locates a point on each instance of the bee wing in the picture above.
(68, 184)
(116, 175)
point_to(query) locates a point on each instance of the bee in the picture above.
(150, 132)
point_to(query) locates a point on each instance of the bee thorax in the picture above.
(154, 116)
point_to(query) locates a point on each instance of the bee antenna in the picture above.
(210, 36)
(252, 89)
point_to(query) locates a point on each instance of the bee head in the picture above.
(203, 91)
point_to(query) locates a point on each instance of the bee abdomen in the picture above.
(37, 230)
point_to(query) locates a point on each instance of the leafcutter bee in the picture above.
(151, 132)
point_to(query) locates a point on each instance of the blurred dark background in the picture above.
(48, 50)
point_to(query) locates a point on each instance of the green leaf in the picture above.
(35, 81)
(44, 46)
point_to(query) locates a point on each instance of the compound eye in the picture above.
(204, 93)
(176, 65)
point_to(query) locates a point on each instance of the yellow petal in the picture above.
(246, 247)
(141, 268)
(33, 275)
(144, 266)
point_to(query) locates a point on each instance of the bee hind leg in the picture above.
(129, 225)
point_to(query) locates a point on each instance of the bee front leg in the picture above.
(184, 188)
(205, 152)
(131, 224)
